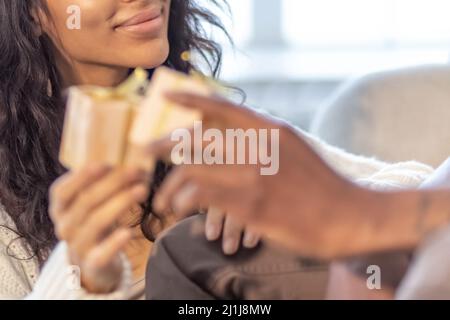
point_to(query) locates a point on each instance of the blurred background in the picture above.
(292, 55)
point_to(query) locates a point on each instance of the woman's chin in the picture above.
(155, 59)
(151, 64)
(148, 55)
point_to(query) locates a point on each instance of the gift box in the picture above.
(113, 126)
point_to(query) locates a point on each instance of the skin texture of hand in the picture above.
(232, 231)
(85, 207)
(267, 203)
(218, 227)
(306, 206)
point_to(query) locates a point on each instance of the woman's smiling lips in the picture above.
(147, 22)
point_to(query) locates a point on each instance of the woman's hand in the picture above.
(85, 207)
(232, 231)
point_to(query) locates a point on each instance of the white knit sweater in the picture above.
(21, 278)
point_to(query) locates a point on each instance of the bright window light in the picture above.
(333, 38)
(366, 23)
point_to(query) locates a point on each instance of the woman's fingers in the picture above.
(64, 190)
(232, 234)
(214, 223)
(111, 184)
(103, 253)
(103, 219)
(68, 221)
(102, 266)
(251, 239)
(86, 213)
(218, 223)
(100, 192)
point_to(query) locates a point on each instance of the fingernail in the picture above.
(212, 232)
(250, 241)
(230, 246)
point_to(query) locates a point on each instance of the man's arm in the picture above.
(306, 205)
(348, 277)
(395, 220)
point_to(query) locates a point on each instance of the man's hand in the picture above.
(306, 206)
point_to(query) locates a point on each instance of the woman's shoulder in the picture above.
(9, 237)
(7, 227)
(18, 270)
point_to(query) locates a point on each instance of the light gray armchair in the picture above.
(394, 116)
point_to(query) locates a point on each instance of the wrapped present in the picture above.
(114, 125)
(158, 117)
(95, 130)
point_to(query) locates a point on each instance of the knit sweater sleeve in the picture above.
(13, 279)
(370, 172)
(366, 171)
(59, 280)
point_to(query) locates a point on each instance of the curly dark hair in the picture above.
(32, 109)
